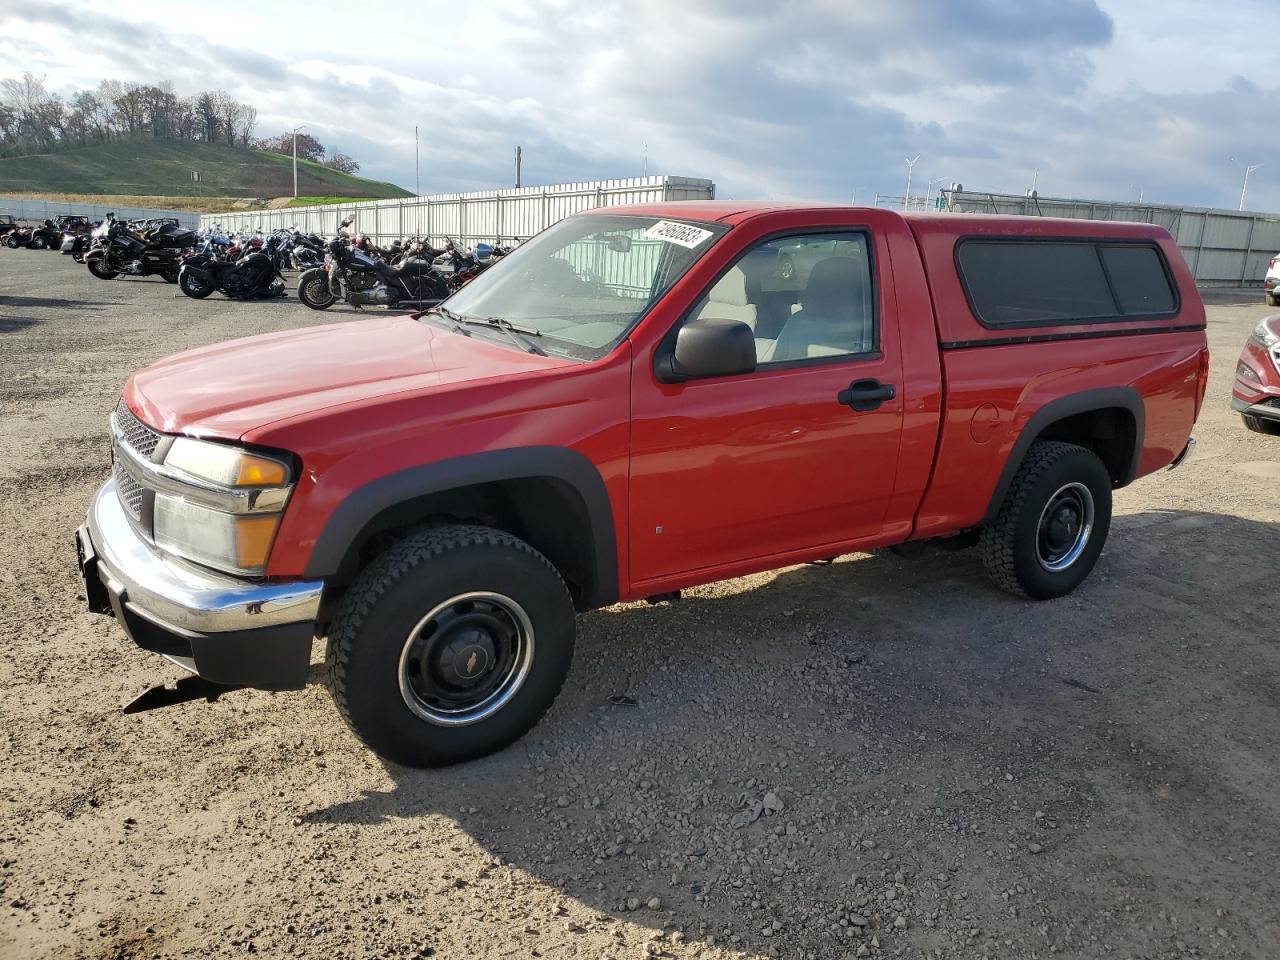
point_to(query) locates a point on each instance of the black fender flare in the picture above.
(360, 508)
(1125, 398)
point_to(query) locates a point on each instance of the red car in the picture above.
(631, 403)
(1256, 394)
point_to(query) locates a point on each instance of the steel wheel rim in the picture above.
(1065, 527)
(466, 659)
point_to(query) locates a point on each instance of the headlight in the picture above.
(1264, 334)
(1246, 372)
(237, 543)
(229, 518)
(225, 465)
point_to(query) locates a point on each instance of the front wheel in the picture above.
(39, 243)
(1052, 522)
(451, 645)
(98, 267)
(1272, 299)
(1261, 425)
(194, 285)
(11, 241)
(313, 290)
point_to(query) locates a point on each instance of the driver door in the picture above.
(758, 469)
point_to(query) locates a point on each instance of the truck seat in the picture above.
(729, 300)
(834, 316)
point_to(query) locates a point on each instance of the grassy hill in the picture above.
(162, 168)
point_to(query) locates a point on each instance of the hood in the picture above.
(228, 389)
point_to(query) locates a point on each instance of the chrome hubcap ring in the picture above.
(1065, 526)
(466, 659)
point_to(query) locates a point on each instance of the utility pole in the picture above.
(517, 168)
(911, 164)
(417, 179)
(300, 126)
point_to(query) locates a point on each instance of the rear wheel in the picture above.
(39, 243)
(1052, 522)
(98, 267)
(1272, 299)
(11, 241)
(313, 290)
(450, 646)
(1261, 424)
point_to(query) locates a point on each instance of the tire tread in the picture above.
(426, 546)
(997, 544)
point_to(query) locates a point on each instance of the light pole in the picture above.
(300, 126)
(911, 163)
(417, 179)
(1249, 168)
(928, 191)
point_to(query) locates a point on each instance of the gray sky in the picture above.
(770, 99)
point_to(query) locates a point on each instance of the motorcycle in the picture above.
(118, 251)
(362, 280)
(252, 277)
(76, 236)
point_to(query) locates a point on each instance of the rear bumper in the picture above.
(225, 629)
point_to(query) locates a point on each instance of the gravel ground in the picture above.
(880, 757)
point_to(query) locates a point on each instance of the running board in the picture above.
(183, 691)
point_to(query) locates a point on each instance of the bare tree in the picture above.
(246, 120)
(342, 163)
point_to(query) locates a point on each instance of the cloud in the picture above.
(817, 99)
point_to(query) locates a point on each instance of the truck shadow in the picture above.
(920, 732)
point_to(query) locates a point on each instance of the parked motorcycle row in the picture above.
(347, 268)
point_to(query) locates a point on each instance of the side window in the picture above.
(805, 297)
(1027, 283)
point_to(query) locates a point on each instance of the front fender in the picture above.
(362, 506)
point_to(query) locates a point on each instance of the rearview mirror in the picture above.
(709, 347)
(618, 243)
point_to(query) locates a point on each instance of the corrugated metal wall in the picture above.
(485, 215)
(22, 208)
(1222, 247)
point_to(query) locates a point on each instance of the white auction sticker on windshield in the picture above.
(683, 234)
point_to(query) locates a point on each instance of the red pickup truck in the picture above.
(635, 401)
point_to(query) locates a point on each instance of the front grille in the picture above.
(1270, 402)
(141, 438)
(128, 490)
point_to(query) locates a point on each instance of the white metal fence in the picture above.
(489, 216)
(1222, 247)
(23, 208)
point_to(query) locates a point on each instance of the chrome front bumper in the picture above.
(226, 629)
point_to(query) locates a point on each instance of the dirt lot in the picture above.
(953, 773)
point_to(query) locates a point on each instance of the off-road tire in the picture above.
(1261, 425)
(309, 283)
(1008, 545)
(388, 599)
(39, 243)
(12, 242)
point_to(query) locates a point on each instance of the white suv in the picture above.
(1271, 284)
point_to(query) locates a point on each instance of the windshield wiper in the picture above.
(519, 335)
(455, 320)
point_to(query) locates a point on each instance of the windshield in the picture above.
(583, 283)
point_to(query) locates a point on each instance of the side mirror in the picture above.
(709, 348)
